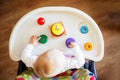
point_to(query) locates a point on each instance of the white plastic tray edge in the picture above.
(13, 57)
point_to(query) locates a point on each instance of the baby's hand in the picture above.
(72, 44)
(34, 40)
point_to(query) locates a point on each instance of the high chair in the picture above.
(70, 22)
(90, 66)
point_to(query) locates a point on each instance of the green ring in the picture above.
(43, 39)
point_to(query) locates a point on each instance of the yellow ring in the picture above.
(57, 29)
(88, 46)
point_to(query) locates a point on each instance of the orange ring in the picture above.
(88, 46)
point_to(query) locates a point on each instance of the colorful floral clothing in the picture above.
(76, 74)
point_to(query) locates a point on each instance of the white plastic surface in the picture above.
(72, 20)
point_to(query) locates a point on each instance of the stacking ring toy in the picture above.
(41, 21)
(43, 39)
(88, 46)
(68, 41)
(84, 29)
(57, 29)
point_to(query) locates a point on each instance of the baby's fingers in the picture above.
(72, 44)
(38, 38)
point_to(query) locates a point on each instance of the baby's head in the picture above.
(49, 63)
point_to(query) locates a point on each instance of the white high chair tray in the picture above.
(72, 20)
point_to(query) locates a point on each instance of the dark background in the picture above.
(106, 13)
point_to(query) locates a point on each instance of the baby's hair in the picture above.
(45, 65)
(40, 72)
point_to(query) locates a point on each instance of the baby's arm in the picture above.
(26, 56)
(79, 59)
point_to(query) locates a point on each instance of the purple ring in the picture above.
(68, 41)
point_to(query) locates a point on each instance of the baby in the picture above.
(51, 62)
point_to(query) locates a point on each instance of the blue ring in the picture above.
(84, 29)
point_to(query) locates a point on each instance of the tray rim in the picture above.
(54, 8)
